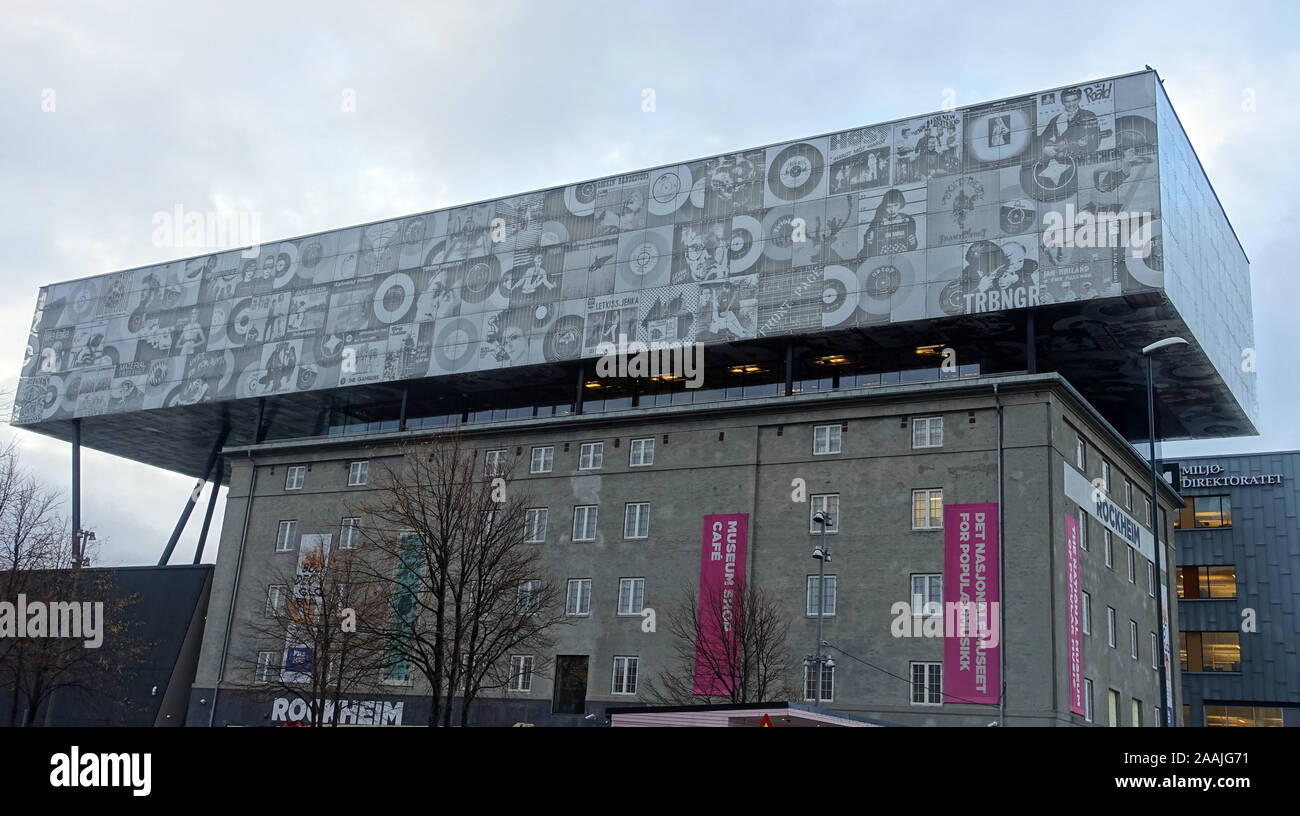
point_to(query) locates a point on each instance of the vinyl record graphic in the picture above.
(482, 276)
(644, 260)
(553, 233)
(83, 300)
(779, 229)
(795, 172)
(951, 299)
(670, 188)
(745, 243)
(240, 323)
(395, 297)
(580, 199)
(455, 343)
(51, 397)
(249, 383)
(1050, 179)
(286, 263)
(564, 339)
(839, 296)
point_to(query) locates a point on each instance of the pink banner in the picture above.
(972, 628)
(1073, 629)
(722, 583)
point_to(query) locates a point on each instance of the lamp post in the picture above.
(816, 660)
(1155, 526)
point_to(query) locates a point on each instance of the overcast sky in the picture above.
(239, 106)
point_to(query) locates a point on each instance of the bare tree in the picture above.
(447, 528)
(309, 628)
(726, 649)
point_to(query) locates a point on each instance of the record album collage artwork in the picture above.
(936, 216)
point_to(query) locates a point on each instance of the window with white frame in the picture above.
(1151, 578)
(625, 669)
(828, 503)
(1110, 548)
(1086, 612)
(535, 525)
(826, 439)
(815, 594)
(274, 597)
(1147, 503)
(1105, 476)
(636, 520)
(529, 602)
(1154, 653)
(578, 600)
(543, 459)
(584, 522)
(494, 462)
(1128, 494)
(1110, 626)
(927, 684)
(927, 509)
(642, 452)
(927, 432)
(1080, 454)
(927, 594)
(285, 535)
(521, 672)
(631, 595)
(1083, 530)
(591, 456)
(294, 477)
(1087, 699)
(358, 473)
(1132, 565)
(268, 666)
(828, 683)
(1133, 639)
(350, 533)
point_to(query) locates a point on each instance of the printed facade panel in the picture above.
(938, 215)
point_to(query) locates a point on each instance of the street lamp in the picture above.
(1155, 525)
(816, 660)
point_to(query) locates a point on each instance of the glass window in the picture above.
(1133, 639)
(1110, 626)
(1086, 612)
(1132, 565)
(268, 665)
(642, 452)
(828, 684)
(828, 503)
(1226, 716)
(521, 672)
(494, 462)
(1105, 475)
(358, 473)
(826, 439)
(1151, 578)
(274, 597)
(293, 479)
(591, 456)
(535, 525)
(625, 669)
(542, 460)
(1154, 652)
(636, 520)
(1113, 700)
(1087, 699)
(1110, 548)
(631, 595)
(1080, 454)
(1211, 511)
(1083, 530)
(927, 594)
(584, 522)
(578, 601)
(529, 603)
(1210, 651)
(1199, 582)
(284, 537)
(350, 533)
(927, 432)
(1128, 494)
(927, 683)
(927, 509)
(814, 593)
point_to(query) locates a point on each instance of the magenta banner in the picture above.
(1073, 629)
(970, 594)
(722, 582)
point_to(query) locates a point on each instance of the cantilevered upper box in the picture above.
(1083, 208)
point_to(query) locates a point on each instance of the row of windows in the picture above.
(349, 534)
(1113, 705)
(1111, 628)
(296, 475)
(1210, 651)
(1081, 462)
(1204, 513)
(927, 432)
(1218, 581)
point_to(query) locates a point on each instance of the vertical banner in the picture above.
(1073, 628)
(304, 603)
(1170, 721)
(722, 584)
(970, 594)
